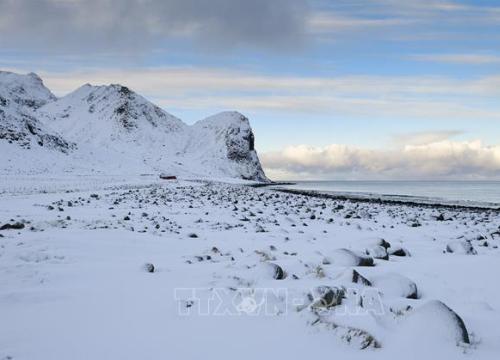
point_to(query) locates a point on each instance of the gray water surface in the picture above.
(487, 192)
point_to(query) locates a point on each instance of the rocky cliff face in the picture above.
(232, 140)
(112, 129)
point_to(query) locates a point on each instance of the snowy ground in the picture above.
(239, 272)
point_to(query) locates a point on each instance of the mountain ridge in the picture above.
(111, 128)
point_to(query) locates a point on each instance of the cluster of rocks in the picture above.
(341, 275)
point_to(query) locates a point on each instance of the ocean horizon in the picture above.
(456, 191)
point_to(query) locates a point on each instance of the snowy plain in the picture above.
(239, 272)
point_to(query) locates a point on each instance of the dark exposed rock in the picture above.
(357, 278)
(3, 101)
(215, 250)
(150, 268)
(440, 217)
(14, 226)
(399, 251)
(385, 244)
(279, 273)
(363, 338)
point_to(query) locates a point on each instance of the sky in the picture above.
(339, 89)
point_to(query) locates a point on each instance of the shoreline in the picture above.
(273, 183)
(377, 199)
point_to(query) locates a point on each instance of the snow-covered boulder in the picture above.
(353, 276)
(398, 251)
(346, 257)
(463, 247)
(275, 271)
(326, 296)
(434, 323)
(395, 285)
(377, 252)
(357, 278)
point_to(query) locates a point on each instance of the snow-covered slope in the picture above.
(100, 114)
(116, 131)
(20, 97)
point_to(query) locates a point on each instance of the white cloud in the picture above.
(402, 20)
(203, 79)
(436, 8)
(394, 97)
(424, 137)
(471, 59)
(441, 159)
(326, 22)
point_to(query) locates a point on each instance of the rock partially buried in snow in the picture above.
(435, 322)
(378, 252)
(357, 278)
(461, 247)
(396, 285)
(345, 257)
(352, 276)
(399, 251)
(326, 297)
(150, 268)
(268, 270)
(385, 244)
(278, 272)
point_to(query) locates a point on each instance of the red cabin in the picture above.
(168, 177)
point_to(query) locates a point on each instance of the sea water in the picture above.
(487, 192)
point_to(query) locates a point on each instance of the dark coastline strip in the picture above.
(380, 201)
(272, 183)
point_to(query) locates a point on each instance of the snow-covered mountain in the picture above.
(101, 114)
(20, 97)
(113, 130)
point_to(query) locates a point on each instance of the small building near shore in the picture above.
(168, 177)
